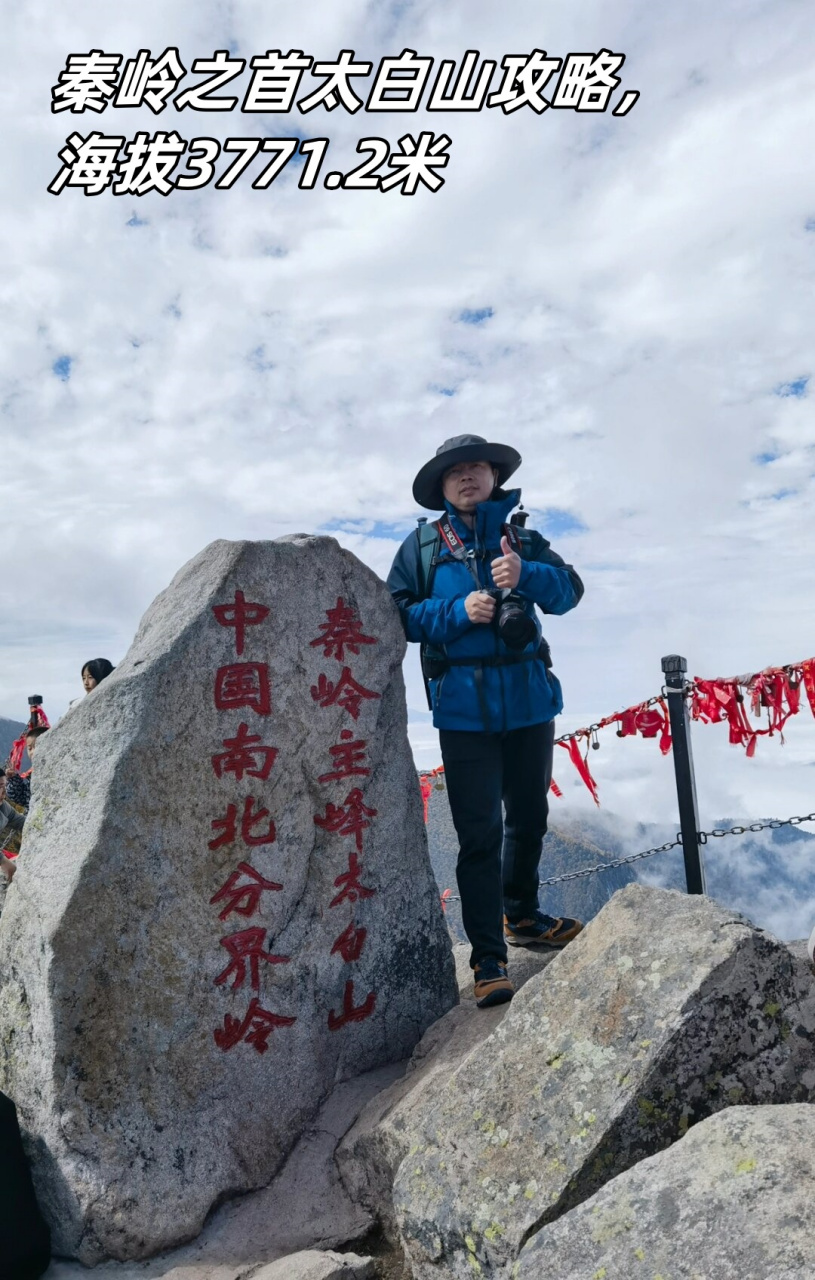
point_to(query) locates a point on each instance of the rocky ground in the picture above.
(307, 1207)
(642, 1108)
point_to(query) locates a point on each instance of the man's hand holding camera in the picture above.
(480, 607)
(506, 571)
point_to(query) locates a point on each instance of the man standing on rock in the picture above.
(466, 587)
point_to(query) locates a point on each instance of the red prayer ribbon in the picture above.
(37, 719)
(775, 691)
(581, 765)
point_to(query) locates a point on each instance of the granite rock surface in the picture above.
(731, 1201)
(665, 1010)
(224, 905)
(311, 1264)
(370, 1153)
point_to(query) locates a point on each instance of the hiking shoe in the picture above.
(492, 986)
(541, 931)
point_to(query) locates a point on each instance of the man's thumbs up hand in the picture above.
(506, 570)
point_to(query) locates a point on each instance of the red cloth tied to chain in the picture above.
(426, 786)
(775, 691)
(794, 696)
(808, 676)
(581, 764)
(627, 723)
(426, 782)
(715, 700)
(37, 719)
(648, 718)
(654, 720)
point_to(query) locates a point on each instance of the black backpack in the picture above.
(25, 1241)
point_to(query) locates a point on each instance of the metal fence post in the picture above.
(674, 668)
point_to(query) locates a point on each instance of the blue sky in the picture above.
(627, 301)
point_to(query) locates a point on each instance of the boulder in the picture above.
(314, 1265)
(224, 903)
(731, 1201)
(666, 1009)
(304, 1208)
(389, 1126)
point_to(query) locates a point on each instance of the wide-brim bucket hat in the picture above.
(427, 487)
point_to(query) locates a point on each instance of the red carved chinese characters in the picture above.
(350, 943)
(349, 818)
(246, 947)
(244, 754)
(240, 615)
(350, 1013)
(243, 684)
(255, 1028)
(342, 631)
(250, 820)
(243, 899)
(342, 634)
(348, 758)
(349, 884)
(228, 825)
(346, 693)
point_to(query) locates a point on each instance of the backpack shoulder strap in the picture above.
(520, 539)
(429, 537)
(429, 540)
(525, 539)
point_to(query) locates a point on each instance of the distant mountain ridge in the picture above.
(10, 730)
(768, 876)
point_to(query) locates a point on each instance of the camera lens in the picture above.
(515, 627)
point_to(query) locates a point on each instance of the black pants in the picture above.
(497, 869)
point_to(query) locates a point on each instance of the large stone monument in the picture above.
(224, 902)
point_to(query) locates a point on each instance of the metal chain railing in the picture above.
(673, 699)
(611, 866)
(772, 824)
(591, 730)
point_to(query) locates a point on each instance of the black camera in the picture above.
(35, 700)
(511, 621)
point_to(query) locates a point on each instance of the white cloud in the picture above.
(247, 363)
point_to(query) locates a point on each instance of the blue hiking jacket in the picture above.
(511, 696)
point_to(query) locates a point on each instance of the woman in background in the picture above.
(94, 672)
